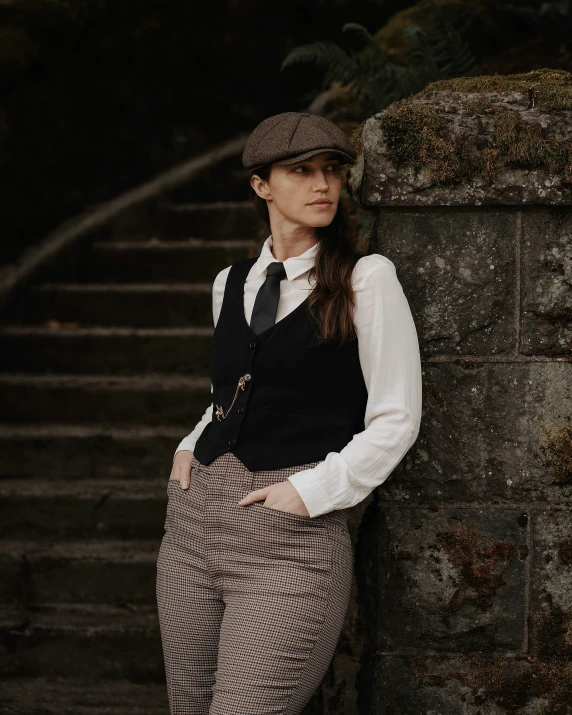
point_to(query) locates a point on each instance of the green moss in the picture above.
(523, 144)
(404, 128)
(552, 87)
(417, 136)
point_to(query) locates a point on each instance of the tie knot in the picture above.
(276, 269)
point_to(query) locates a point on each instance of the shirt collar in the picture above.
(294, 266)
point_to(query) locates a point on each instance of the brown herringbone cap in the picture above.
(294, 136)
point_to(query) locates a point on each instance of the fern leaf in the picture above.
(361, 32)
(451, 52)
(323, 54)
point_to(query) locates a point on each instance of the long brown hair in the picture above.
(331, 303)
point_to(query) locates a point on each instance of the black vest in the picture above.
(300, 400)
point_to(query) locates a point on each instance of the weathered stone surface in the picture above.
(489, 433)
(448, 145)
(87, 452)
(105, 351)
(551, 584)
(117, 572)
(451, 578)
(457, 270)
(41, 511)
(465, 556)
(478, 684)
(74, 696)
(81, 640)
(547, 282)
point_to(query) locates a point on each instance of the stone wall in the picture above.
(466, 557)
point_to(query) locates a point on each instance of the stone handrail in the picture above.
(96, 217)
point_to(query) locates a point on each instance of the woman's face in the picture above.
(305, 193)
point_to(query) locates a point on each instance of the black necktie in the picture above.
(266, 302)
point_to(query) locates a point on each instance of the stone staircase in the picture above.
(104, 367)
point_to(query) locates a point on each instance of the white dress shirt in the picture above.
(391, 365)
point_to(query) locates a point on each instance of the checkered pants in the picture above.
(251, 599)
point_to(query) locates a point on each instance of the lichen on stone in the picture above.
(466, 548)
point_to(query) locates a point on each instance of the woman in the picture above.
(316, 382)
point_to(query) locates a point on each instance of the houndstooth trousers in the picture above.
(251, 599)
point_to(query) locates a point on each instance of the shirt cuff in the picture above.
(187, 443)
(310, 489)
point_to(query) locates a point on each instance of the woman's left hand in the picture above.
(282, 496)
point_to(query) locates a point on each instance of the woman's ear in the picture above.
(260, 186)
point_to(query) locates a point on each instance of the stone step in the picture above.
(106, 351)
(159, 399)
(81, 696)
(77, 452)
(95, 641)
(109, 572)
(49, 511)
(130, 304)
(217, 219)
(162, 261)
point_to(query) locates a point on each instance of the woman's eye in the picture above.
(331, 167)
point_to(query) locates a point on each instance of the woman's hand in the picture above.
(282, 496)
(181, 470)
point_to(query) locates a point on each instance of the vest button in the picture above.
(231, 441)
(252, 346)
(240, 410)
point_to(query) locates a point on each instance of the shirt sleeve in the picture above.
(190, 440)
(391, 365)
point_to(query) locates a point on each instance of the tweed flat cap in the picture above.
(294, 136)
